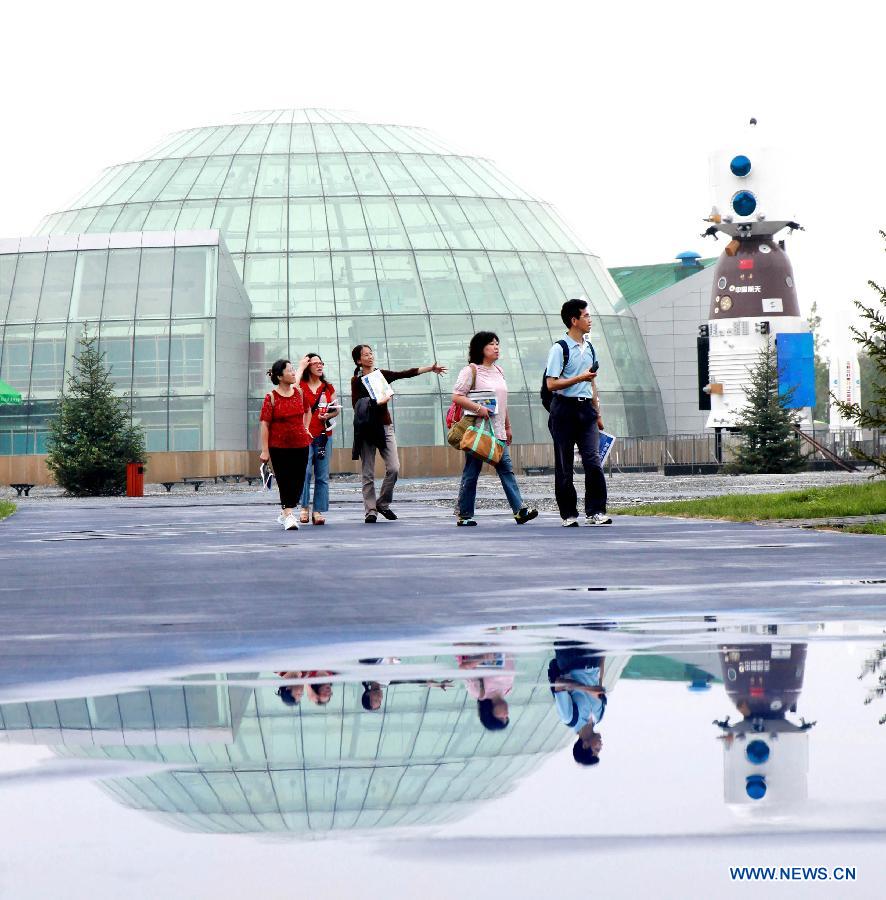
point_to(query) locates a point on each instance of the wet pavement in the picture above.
(145, 738)
(404, 767)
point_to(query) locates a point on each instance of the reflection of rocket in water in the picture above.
(753, 298)
(766, 755)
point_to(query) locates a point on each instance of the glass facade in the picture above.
(343, 233)
(239, 760)
(155, 303)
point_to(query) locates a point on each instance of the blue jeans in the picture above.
(321, 476)
(467, 492)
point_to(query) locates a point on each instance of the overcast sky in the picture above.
(608, 111)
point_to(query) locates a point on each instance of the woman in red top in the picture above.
(285, 439)
(319, 396)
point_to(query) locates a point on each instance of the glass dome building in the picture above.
(342, 232)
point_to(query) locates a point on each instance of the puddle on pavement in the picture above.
(654, 729)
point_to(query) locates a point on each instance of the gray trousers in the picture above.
(392, 472)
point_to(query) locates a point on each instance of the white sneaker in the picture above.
(598, 519)
(290, 523)
(280, 519)
(570, 523)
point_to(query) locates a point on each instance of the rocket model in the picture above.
(766, 755)
(753, 299)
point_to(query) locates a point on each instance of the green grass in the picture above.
(866, 528)
(866, 499)
(6, 508)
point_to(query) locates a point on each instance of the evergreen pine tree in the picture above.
(871, 413)
(91, 440)
(770, 444)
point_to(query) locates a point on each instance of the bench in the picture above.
(22, 488)
(198, 481)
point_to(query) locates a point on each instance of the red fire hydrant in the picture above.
(135, 480)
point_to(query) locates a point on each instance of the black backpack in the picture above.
(544, 393)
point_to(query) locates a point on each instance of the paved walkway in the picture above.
(113, 585)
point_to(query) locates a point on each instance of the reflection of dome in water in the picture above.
(346, 232)
(249, 763)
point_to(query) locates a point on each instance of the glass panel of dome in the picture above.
(396, 175)
(8, 263)
(268, 341)
(347, 224)
(302, 140)
(318, 335)
(570, 285)
(545, 284)
(150, 355)
(542, 237)
(440, 283)
(55, 294)
(325, 139)
(134, 182)
(156, 181)
(479, 282)
(232, 219)
(121, 286)
(472, 176)
(255, 141)
(47, 223)
(273, 176)
(106, 187)
(501, 181)
(258, 790)
(132, 217)
(310, 285)
(162, 216)
(48, 361)
(593, 291)
(195, 215)
(511, 225)
(278, 140)
(155, 283)
(190, 418)
(419, 420)
(89, 285)
(514, 283)
(307, 223)
(193, 144)
(193, 281)
(392, 136)
(196, 787)
(386, 230)
(533, 342)
(409, 344)
(26, 288)
(348, 139)
(152, 415)
(371, 140)
(241, 177)
(367, 177)
(267, 226)
(361, 330)
(183, 180)
(106, 178)
(355, 284)
(440, 166)
(212, 176)
(81, 221)
(289, 789)
(265, 280)
(423, 175)
(61, 226)
(491, 235)
(104, 220)
(213, 142)
(563, 240)
(336, 175)
(398, 283)
(628, 354)
(420, 223)
(453, 223)
(304, 176)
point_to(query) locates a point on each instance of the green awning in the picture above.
(8, 394)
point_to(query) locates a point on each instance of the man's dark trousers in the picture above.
(574, 423)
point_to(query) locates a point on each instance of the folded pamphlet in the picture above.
(484, 398)
(377, 386)
(606, 442)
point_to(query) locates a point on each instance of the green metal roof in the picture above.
(8, 394)
(639, 282)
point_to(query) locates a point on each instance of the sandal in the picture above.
(318, 519)
(303, 518)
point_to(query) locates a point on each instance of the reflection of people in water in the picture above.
(291, 694)
(493, 682)
(373, 695)
(576, 677)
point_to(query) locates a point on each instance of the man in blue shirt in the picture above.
(576, 676)
(575, 418)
